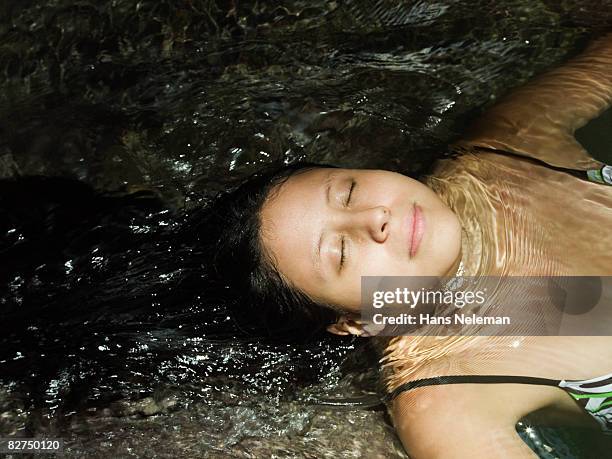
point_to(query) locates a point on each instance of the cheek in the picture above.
(405, 190)
(344, 294)
(449, 229)
(379, 261)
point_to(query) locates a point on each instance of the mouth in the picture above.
(417, 228)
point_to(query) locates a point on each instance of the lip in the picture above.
(417, 229)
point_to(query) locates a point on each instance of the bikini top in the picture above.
(593, 395)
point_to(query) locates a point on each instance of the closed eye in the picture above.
(342, 239)
(350, 193)
(342, 253)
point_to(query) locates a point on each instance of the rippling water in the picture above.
(186, 98)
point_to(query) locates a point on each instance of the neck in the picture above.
(472, 255)
(457, 266)
(471, 249)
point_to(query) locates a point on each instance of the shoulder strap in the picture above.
(602, 175)
(471, 379)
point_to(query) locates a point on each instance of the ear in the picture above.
(347, 325)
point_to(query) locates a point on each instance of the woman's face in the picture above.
(325, 228)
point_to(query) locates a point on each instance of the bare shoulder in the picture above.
(539, 119)
(464, 420)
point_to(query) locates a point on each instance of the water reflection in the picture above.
(186, 99)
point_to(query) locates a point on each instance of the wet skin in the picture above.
(536, 121)
(325, 228)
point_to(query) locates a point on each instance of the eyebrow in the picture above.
(317, 249)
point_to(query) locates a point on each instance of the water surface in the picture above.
(188, 98)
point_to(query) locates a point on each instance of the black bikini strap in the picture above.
(471, 379)
(602, 176)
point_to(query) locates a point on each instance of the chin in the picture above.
(446, 247)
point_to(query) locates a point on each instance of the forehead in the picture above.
(291, 219)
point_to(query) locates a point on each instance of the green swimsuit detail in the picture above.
(593, 395)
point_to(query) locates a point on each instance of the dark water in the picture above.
(181, 100)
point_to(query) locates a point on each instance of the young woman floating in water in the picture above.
(513, 203)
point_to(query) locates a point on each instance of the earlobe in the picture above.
(347, 326)
(336, 330)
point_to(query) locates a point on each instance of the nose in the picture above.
(374, 222)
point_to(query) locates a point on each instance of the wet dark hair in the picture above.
(265, 303)
(110, 295)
